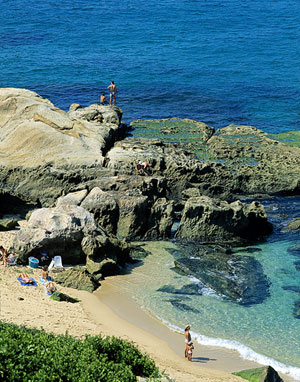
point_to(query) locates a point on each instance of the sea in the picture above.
(220, 62)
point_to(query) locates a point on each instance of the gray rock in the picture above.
(104, 207)
(161, 219)
(77, 278)
(209, 219)
(73, 198)
(57, 230)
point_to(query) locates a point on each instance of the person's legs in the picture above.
(110, 98)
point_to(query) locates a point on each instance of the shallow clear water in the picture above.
(267, 333)
(217, 61)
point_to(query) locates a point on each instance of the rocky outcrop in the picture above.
(34, 132)
(77, 278)
(72, 233)
(214, 220)
(46, 151)
(239, 278)
(260, 374)
(8, 224)
(261, 163)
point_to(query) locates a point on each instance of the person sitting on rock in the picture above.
(103, 99)
(25, 278)
(45, 273)
(143, 167)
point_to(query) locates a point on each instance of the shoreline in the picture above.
(127, 311)
(110, 311)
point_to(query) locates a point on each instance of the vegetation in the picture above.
(32, 355)
(59, 296)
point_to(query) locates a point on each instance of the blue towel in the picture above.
(22, 283)
(43, 281)
(47, 292)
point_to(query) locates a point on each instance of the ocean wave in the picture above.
(244, 351)
(203, 289)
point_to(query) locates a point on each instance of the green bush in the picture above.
(32, 355)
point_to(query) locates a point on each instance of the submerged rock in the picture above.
(296, 310)
(294, 225)
(239, 278)
(260, 374)
(183, 307)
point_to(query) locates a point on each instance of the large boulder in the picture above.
(260, 374)
(46, 151)
(104, 207)
(52, 135)
(77, 278)
(58, 230)
(209, 219)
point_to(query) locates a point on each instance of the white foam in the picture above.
(203, 289)
(245, 352)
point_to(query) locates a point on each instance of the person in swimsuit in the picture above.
(25, 278)
(103, 99)
(190, 347)
(113, 92)
(45, 273)
(187, 339)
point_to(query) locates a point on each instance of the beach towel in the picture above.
(47, 292)
(22, 282)
(43, 281)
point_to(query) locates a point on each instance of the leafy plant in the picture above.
(32, 355)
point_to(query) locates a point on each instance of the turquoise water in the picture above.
(217, 61)
(267, 333)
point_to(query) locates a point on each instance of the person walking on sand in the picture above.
(113, 92)
(187, 339)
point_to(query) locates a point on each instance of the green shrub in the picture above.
(32, 355)
(59, 296)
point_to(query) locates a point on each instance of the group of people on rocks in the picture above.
(113, 91)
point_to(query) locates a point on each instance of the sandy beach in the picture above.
(110, 312)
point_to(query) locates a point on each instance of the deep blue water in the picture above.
(216, 61)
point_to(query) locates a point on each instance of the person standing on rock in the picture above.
(187, 339)
(113, 92)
